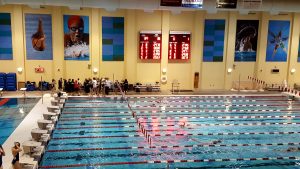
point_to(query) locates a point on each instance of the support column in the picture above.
(94, 35)
(230, 49)
(18, 41)
(165, 25)
(197, 47)
(292, 59)
(58, 44)
(131, 40)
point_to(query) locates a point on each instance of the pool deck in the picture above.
(23, 131)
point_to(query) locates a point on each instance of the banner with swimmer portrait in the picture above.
(76, 37)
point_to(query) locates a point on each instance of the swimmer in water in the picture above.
(207, 143)
(293, 149)
(182, 124)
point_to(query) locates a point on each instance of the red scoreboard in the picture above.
(150, 45)
(179, 45)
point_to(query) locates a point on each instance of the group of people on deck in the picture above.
(95, 86)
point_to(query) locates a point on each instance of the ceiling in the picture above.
(273, 6)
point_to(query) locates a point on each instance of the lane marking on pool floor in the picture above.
(80, 137)
(114, 112)
(173, 161)
(94, 118)
(185, 134)
(94, 106)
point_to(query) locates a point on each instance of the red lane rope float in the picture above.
(178, 146)
(221, 111)
(173, 161)
(217, 134)
(219, 117)
(3, 101)
(228, 124)
(141, 127)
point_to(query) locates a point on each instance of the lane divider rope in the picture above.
(173, 161)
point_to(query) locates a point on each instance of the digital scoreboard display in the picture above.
(182, 3)
(150, 45)
(179, 45)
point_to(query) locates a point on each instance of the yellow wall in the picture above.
(212, 75)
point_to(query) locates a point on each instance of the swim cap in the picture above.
(75, 19)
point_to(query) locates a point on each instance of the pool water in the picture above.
(257, 132)
(12, 112)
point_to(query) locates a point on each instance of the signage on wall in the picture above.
(39, 70)
(179, 45)
(251, 4)
(226, 3)
(150, 45)
(170, 3)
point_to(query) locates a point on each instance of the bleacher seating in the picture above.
(147, 87)
(11, 82)
(2, 80)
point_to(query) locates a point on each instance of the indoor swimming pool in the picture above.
(257, 132)
(12, 112)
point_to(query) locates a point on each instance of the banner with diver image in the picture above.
(5, 37)
(246, 40)
(278, 36)
(38, 28)
(76, 37)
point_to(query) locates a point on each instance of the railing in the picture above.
(133, 113)
(121, 91)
